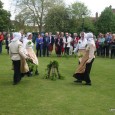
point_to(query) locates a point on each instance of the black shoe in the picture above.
(78, 81)
(87, 83)
(22, 75)
(36, 73)
(29, 74)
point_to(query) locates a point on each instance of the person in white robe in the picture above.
(33, 64)
(16, 53)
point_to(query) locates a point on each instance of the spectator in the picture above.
(51, 43)
(39, 45)
(67, 42)
(1, 39)
(46, 42)
(113, 46)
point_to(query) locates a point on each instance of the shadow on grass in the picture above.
(79, 84)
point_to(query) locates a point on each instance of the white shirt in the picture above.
(16, 50)
(68, 41)
(81, 44)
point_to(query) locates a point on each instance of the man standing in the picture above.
(16, 52)
(46, 41)
(51, 43)
(1, 39)
(67, 41)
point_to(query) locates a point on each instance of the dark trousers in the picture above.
(0, 47)
(17, 73)
(98, 51)
(112, 53)
(58, 51)
(67, 50)
(87, 72)
(45, 50)
(106, 50)
(38, 51)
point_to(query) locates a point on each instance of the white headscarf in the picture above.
(28, 34)
(16, 36)
(90, 39)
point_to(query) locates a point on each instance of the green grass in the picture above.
(38, 96)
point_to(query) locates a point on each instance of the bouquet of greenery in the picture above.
(53, 71)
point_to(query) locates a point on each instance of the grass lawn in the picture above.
(38, 96)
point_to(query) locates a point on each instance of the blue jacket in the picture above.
(39, 42)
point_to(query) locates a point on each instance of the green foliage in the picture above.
(57, 19)
(5, 22)
(1, 4)
(61, 18)
(77, 9)
(37, 96)
(33, 12)
(53, 71)
(32, 66)
(76, 12)
(106, 22)
(89, 25)
(76, 25)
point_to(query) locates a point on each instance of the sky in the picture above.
(93, 5)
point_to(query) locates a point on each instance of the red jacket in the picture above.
(1, 38)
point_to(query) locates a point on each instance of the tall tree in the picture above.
(35, 10)
(77, 11)
(5, 22)
(57, 19)
(106, 21)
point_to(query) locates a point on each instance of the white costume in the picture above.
(16, 47)
(30, 52)
(18, 57)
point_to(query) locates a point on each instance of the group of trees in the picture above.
(55, 15)
(5, 23)
(106, 21)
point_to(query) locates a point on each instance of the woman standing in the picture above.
(58, 45)
(8, 40)
(39, 45)
(83, 71)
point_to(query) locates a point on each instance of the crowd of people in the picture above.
(65, 43)
(86, 45)
(105, 45)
